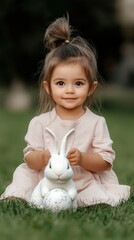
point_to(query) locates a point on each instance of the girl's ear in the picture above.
(92, 88)
(46, 87)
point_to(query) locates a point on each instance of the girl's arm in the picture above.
(89, 161)
(93, 162)
(36, 160)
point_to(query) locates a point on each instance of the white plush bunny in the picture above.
(57, 174)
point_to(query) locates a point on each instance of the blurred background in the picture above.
(108, 25)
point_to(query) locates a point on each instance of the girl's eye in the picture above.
(79, 83)
(60, 83)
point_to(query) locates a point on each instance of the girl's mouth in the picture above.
(69, 98)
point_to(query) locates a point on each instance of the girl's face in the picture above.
(69, 86)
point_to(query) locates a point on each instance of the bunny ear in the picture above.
(55, 146)
(63, 150)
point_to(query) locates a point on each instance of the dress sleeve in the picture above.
(34, 137)
(102, 143)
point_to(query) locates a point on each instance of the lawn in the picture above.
(18, 221)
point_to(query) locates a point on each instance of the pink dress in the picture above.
(91, 135)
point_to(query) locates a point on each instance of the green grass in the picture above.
(18, 221)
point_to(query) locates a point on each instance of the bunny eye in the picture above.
(68, 166)
(50, 165)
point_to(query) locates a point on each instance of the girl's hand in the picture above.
(74, 156)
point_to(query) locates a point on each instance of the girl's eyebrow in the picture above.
(58, 79)
(81, 79)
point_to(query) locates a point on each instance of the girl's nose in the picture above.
(69, 89)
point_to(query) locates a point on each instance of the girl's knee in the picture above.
(24, 170)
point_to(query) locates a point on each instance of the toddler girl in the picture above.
(68, 80)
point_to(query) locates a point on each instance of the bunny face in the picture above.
(58, 169)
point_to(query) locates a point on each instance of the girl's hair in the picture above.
(63, 47)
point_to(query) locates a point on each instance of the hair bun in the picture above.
(58, 32)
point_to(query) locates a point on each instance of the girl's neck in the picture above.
(70, 114)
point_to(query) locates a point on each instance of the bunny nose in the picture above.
(59, 176)
(59, 173)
